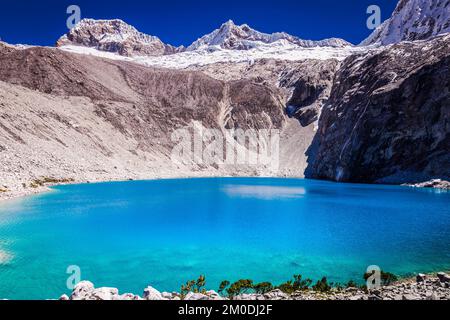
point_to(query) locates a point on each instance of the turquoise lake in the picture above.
(163, 233)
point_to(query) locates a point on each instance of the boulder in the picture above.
(443, 277)
(410, 297)
(276, 295)
(421, 277)
(213, 295)
(128, 297)
(104, 294)
(151, 293)
(167, 295)
(82, 290)
(195, 296)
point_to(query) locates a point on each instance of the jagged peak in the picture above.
(115, 36)
(242, 37)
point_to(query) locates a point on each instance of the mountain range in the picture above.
(104, 103)
(116, 36)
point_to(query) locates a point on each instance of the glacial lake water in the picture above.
(162, 233)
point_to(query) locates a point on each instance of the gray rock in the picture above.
(151, 293)
(64, 297)
(166, 295)
(443, 277)
(375, 111)
(104, 294)
(421, 277)
(82, 290)
(213, 295)
(410, 297)
(195, 296)
(128, 297)
(432, 296)
(376, 292)
(276, 295)
(92, 33)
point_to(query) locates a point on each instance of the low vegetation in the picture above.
(296, 284)
(36, 183)
(195, 286)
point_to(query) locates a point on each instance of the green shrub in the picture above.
(240, 287)
(195, 286)
(298, 284)
(322, 285)
(263, 287)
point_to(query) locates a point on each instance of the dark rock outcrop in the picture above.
(311, 83)
(388, 117)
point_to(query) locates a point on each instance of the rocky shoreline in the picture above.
(433, 184)
(8, 194)
(423, 287)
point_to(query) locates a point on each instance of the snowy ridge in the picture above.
(114, 39)
(413, 20)
(280, 50)
(231, 36)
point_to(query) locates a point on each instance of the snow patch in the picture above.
(280, 50)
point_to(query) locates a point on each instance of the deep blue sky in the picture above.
(181, 22)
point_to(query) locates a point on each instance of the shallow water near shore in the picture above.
(162, 233)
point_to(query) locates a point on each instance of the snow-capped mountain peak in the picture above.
(114, 39)
(233, 37)
(413, 20)
(115, 36)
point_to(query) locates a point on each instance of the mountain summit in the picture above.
(115, 36)
(234, 37)
(413, 20)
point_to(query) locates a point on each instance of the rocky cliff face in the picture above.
(115, 36)
(388, 116)
(413, 20)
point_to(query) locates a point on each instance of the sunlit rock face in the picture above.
(388, 116)
(115, 36)
(413, 20)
